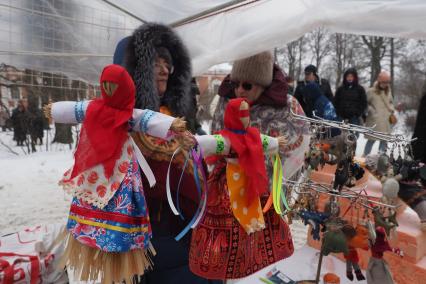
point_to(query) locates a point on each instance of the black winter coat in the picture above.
(299, 94)
(350, 101)
(419, 146)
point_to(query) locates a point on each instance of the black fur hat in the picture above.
(146, 43)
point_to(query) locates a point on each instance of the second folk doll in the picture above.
(235, 238)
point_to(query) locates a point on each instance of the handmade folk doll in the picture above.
(356, 238)
(235, 239)
(378, 270)
(108, 226)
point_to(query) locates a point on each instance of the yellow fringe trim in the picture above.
(91, 264)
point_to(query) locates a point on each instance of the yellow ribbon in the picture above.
(107, 226)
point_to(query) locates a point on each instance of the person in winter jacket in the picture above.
(419, 148)
(20, 120)
(4, 117)
(311, 75)
(320, 105)
(160, 67)
(350, 100)
(263, 84)
(380, 108)
(36, 123)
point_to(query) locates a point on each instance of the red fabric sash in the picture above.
(108, 216)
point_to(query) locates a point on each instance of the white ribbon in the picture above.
(146, 169)
(168, 190)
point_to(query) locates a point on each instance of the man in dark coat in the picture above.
(311, 75)
(20, 122)
(320, 105)
(351, 100)
(419, 148)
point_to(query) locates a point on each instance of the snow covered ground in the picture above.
(29, 191)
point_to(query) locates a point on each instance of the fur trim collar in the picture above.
(139, 61)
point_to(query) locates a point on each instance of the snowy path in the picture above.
(29, 191)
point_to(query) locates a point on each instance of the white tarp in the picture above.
(78, 37)
(267, 24)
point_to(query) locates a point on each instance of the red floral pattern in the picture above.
(123, 167)
(101, 190)
(93, 177)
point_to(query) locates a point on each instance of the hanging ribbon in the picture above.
(203, 197)
(168, 190)
(179, 184)
(268, 203)
(278, 195)
(277, 184)
(146, 169)
(197, 162)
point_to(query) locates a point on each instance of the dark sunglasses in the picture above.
(246, 86)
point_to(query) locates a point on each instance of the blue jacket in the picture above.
(321, 105)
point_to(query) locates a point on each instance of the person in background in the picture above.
(419, 145)
(196, 93)
(20, 120)
(311, 75)
(380, 110)
(4, 117)
(320, 105)
(36, 123)
(350, 100)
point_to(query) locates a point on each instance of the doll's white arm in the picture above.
(219, 145)
(270, 144)
(213, 145)
(152, 123)
(69, 111)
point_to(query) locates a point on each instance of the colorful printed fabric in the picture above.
(122, 225)
(250, 216)
(222, 249)
(92, 186)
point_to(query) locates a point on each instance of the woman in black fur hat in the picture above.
(160, 66)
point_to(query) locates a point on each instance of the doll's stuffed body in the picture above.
(108, 225)
(244, 147)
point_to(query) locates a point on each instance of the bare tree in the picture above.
(377, 47)
(320, 45)
(301, 44)
(291, 57)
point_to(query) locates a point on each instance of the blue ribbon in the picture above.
(196, 163)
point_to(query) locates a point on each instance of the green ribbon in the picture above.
(277, 193)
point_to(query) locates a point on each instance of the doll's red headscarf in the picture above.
(247, 144)
(105, 126)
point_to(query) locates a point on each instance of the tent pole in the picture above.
(206, 12)
(124, 11)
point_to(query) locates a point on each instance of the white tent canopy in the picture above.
(252, 26)
(78, 37)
